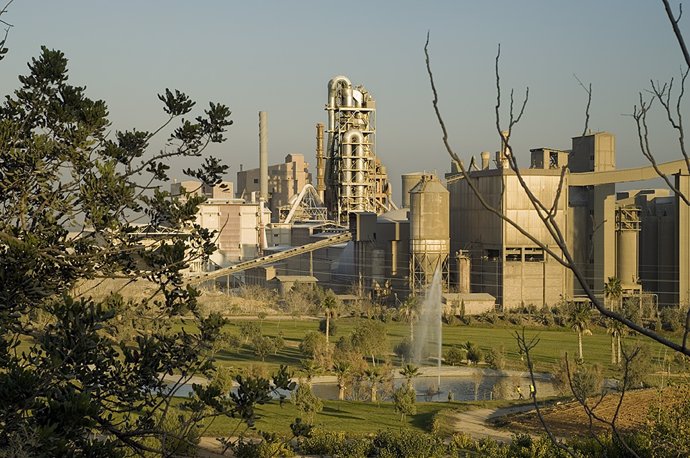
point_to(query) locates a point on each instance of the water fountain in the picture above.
(428, 333)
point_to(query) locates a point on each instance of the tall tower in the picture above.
(351, 166)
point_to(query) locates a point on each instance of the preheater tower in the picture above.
(350, 159)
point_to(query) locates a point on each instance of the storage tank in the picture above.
(627, 259)
(409, 181)
(429, 231)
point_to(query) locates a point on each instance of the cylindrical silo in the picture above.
(429, 231)
(486, 160)
(627, 259)
(409, 181)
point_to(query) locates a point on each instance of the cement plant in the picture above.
(341, 229)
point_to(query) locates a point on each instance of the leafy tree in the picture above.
(307, 402)
(404, 400)
(263, 346)
(249, 330)
(370, 339)
(69, 192)
(404, 350)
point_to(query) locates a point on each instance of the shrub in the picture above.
(474, 354)
(404, 350)
(306, 402)
(408, 444)
(331, 443)
(404, 399)
(496, 358)
(672, 318)
(332, 327)
(455, 356)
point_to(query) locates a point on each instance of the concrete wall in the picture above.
(284, 181)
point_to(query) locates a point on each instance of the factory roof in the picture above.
(400, 214)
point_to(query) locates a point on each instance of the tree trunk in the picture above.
(620, 359)
(373, 391)
(579, 345)
(411, 330)
(613, 348)
(328, 325)
(341, 391)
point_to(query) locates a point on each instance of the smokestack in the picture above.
(486, 159)
(320, 163)
(263, 155)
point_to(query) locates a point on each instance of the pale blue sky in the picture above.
(278, 56)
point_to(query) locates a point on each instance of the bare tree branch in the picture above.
(588, 90)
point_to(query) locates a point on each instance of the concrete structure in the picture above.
(355, 180)
(284, 181)
(640, 237)
(429, 232)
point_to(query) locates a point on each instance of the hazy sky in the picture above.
(278, 56)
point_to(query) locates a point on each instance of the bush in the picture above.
(332, 327)
(306, 402)
(455, 356)
(496, 358)
(332, 443)
(404, 350)
(474, 354)
(672, 318)
(408, 444)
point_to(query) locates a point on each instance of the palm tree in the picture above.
(342, 370)
(310, 369)
(616, 329)
(409, 371)
(579, 315)
(409, 312)
(613, 292)
(374, 376)
(330, 308)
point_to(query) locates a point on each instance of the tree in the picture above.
(579, 316)
(330, 309)
(409, 312)
(307, 402)
(404, 400)
(342, 370)
(370, 339)
(375, 378)
(613, 292)
(409, 371)
(69, 194)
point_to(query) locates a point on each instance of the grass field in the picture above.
(351, 416)
(553, 343)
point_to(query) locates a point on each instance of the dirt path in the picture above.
(478, 423)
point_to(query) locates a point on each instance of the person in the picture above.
(518, 389)
(532, 391)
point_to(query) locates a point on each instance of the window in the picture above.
(534, 255)
(256, 180)
(492, 255)
(513, 254)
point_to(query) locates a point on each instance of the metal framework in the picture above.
(303, 207)
(354, 178)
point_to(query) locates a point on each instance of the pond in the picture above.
(460, 388)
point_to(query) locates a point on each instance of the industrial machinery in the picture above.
(356, 181)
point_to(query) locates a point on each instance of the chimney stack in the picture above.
(263, 155)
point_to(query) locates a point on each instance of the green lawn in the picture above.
(350, 416)
(553, 343)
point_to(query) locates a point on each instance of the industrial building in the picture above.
(346, 231)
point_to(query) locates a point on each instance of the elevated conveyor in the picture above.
(275, 257)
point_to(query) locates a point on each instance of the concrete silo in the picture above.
(409, 181)
(429, 232)
(627, 259)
